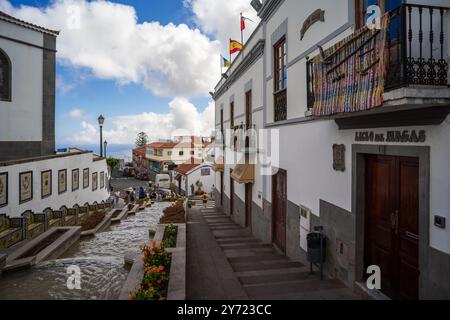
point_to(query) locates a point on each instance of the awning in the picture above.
(244, 173)
(219, 166)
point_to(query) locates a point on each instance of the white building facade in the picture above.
(32, 175)
(376, 177)
(188, 175)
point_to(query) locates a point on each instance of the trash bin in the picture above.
(316, 254)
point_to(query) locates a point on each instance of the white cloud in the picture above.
(76, 113)
(105, 37)
(183, 118)
(221, 19)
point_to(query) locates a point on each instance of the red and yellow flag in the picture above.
(235, 46)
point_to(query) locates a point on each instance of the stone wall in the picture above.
(339, 229)
(261, 225)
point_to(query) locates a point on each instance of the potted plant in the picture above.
(199, 191)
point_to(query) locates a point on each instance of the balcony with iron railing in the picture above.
(399, 67)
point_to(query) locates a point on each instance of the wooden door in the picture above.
(231, 195)
(392, 225)
(279, 207)
(248, 205)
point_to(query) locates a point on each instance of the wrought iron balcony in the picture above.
(410, 49)
(417, 42)
(280, 105)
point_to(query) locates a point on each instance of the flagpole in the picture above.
(230, 51)
(242, 36)
(220, 56)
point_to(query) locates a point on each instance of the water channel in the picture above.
(100, 259)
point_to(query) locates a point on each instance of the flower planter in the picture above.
(105, 223)
(177, 273)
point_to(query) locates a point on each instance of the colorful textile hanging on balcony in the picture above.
(350, 76)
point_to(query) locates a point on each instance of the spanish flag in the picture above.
(235, 46)
(225, 63)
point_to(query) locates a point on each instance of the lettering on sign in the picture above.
(316, 16)
(405, 136)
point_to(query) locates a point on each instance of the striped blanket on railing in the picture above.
(350, 76)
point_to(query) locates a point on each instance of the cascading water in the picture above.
(100, 260)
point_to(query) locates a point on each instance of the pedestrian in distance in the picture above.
(205, 200)
(141, 193)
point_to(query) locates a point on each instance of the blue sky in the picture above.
(149, 70)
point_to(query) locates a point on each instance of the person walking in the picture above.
(141, 193)
(116, 198)
(205, 200)
(192, 190)
(212, 192)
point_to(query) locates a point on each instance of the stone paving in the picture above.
(224, 261)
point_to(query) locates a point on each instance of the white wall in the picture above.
(21, 119)
(195, 175)
(55, 201)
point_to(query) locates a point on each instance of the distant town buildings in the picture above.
(194, 177)
(164, 157)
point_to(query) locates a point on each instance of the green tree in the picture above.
(112, 162)
(142, 139)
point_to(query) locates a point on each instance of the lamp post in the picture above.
(105, 144)
(101, 121)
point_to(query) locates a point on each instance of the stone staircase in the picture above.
(199, 204)
(266, 274)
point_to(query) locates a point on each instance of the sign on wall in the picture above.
(339, 157)
(3, 189)
(102, 180)
(25, 186)
(62, 181)
(206, 172)
(46, 184)
(75, 179)
(94, 181)
(85, 178)
(405, 136)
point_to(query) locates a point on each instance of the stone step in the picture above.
(226, 228)
(274, 277)
(257, 266)
(230, 233)
(274, 271)
(238, 241)
(274, 290)
(247, 252)
(220, 223)
(243, 246)
(259, 258)
(233, 236)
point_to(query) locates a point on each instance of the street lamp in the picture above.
(101, 121)
(105, 144)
